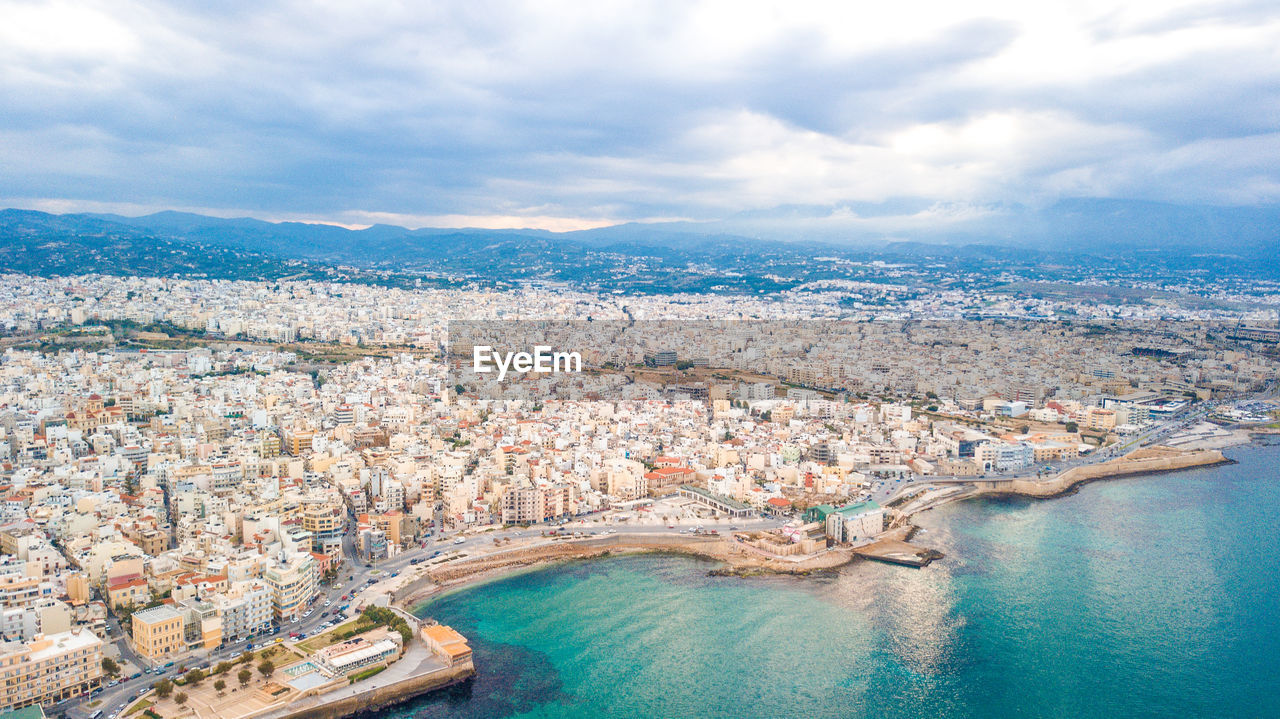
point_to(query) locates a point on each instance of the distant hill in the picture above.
(738, 254)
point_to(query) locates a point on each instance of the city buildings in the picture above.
(222, 485)
(49, 668)
(158, 633)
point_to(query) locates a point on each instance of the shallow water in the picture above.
(1146, 597)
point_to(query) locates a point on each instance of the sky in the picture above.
(571, 115)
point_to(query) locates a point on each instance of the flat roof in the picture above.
(852, 510)
(712, 496)
(156, 614)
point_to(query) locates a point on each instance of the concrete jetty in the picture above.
(896, 551)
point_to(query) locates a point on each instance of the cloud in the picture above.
(565, 115)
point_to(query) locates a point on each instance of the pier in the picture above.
(896, 551)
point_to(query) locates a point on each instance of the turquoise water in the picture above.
(1146, 597)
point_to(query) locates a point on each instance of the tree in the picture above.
(244, 675)
(1024, 429)
(247, 656)
(164, 688)
(266, 668)
(110, 666)
(194, 677)
(181, 698)
(223, 668)
(1072, 427)
(220, 685)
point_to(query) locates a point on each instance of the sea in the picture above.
(1152, 596)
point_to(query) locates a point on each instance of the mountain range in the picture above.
(1070, 231)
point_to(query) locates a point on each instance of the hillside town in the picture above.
(192, 469)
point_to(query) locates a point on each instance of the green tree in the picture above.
(220, 685)
(1073, 427)
(266, 668)
(164, 688)
(194, 677)
(247, 656)
(181, 698)
(110, 667)
(244, 675)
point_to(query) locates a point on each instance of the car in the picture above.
(459, 540)
(327, 602)
(612, 531)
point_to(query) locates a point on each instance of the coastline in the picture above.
(741, 562)
(738, 561)
(1146, 461)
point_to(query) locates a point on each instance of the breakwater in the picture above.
(382, 697)
(1149, 460)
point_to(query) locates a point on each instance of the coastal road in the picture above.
(888, 490)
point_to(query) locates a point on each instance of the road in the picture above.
(355, 575)
(885, 491)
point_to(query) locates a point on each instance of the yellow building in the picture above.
(78, 590)
(128, 593)
(1098, 418)
(298, 441)
(445, 642)
(50, 668)
(323, 519)
(158, 633)
(292, 585)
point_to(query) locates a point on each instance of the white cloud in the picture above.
(567, 114)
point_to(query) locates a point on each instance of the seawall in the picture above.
(458, 573)
(1143, 461)
(385, 696)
